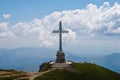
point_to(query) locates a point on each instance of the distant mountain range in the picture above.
(29, 59)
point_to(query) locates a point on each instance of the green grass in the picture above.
(58, 75)
(81, 71)
(94, 72)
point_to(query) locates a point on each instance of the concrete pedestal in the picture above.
(60, 57)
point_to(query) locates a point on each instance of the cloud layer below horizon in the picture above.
(89, 23)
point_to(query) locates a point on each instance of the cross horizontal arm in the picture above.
(65, 31)
(58, 31)
(55, 31)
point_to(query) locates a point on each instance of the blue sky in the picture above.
(94, 25)
(26, 10)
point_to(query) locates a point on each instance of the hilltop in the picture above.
(80, 71)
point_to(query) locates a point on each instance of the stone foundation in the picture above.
(60, 57)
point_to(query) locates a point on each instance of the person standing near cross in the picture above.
(60, 54)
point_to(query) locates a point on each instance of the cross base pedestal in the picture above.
(60, 57)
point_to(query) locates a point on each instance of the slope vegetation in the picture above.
(13, 75)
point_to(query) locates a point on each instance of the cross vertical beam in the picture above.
(60, 36)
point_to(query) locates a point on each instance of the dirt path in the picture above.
(33, 75)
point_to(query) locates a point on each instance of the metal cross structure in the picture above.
(60, 31)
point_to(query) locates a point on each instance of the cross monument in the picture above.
(60, 56)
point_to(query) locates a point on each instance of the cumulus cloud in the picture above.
(5, 32)
(92, 21)
(6, 16)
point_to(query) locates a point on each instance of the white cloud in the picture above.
(91, 22)
(3, 26)
(6, 16)
(5, 32)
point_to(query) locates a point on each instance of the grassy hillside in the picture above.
(12, 75)
(81, 71)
